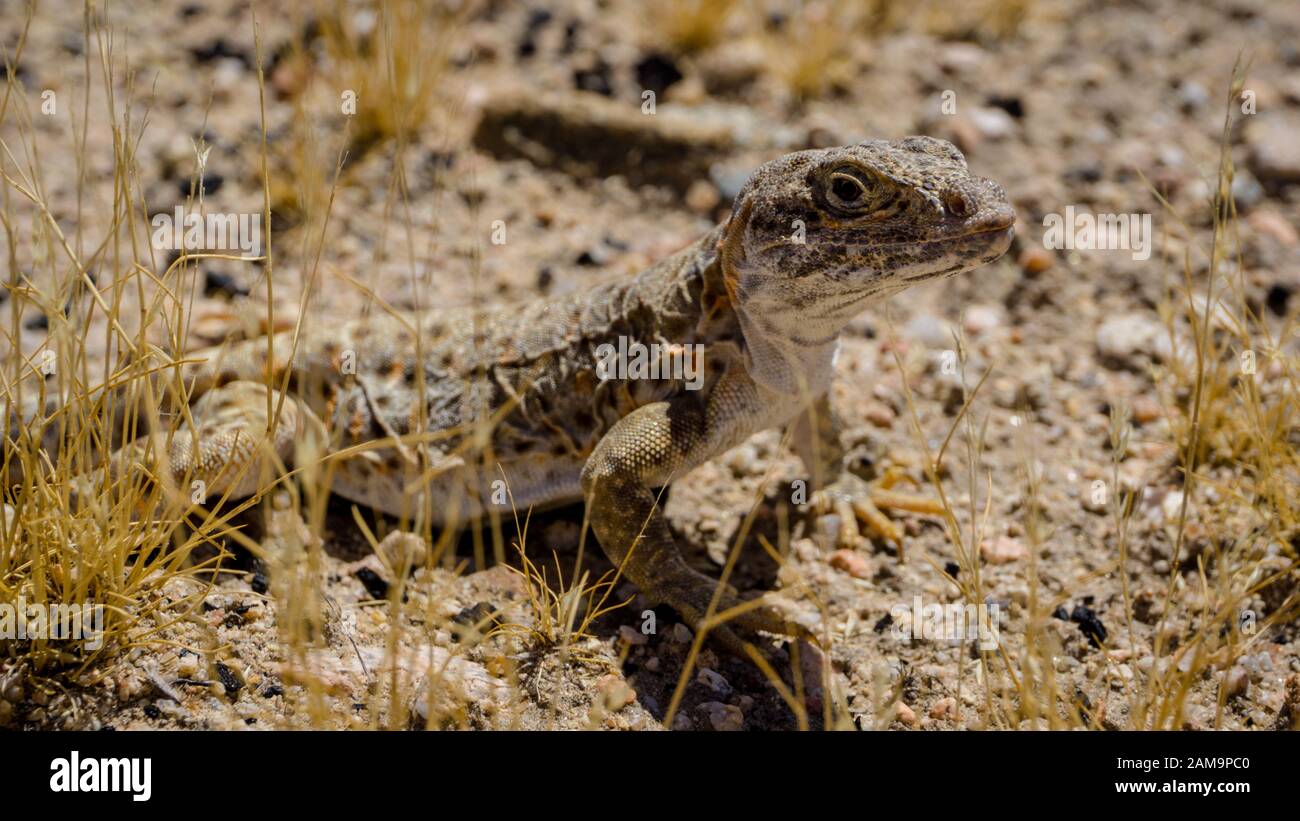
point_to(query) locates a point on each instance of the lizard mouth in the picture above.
(994, 231)
(973, 249)
(1008, 230)
(990, 225)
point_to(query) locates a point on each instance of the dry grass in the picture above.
(394, 63)
(809, 53)
(689, 26)
(1234, 399)
(79, 529)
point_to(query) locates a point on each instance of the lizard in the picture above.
(419, 413)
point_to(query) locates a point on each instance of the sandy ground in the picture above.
(1084, 105)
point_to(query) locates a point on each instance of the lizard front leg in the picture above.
(647, 449)
(815, 438)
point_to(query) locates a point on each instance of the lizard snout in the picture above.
(997, 216)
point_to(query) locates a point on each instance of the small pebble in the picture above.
(1272, 224)
(615, 692)
(631, 635)
(1003, 550)
(1236, 682)
(879, 414)
(1274, 150)
(851, 562)
(982, 318)
(992, 123)
(826, 531)
(1124, 340)
(1146, 410)
(1035, 259)
(400, 549)
(1257, 666)
(723, 717)
(714, 681)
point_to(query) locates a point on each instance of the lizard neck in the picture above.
(789, 340)
(695, 299)
(784, 352)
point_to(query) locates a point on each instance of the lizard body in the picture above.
(425, 411)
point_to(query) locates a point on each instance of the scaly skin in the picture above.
(814, 238)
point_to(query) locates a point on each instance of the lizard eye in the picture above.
(848, 189)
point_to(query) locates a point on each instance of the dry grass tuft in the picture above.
(689, 26)
(80, 530)
(393, 57)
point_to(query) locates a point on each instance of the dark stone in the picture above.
(571, 30)
(229, 680)
(482, 617)
(218, 49)
(211, 184)
(1088, 173)
(219, 282)
(374, 584)
(1089, 624)
(657, 72)
(1010, 104)
(1278, 297)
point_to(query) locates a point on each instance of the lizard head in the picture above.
(816, 236)
(869, 217)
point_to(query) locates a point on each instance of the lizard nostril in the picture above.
(957, 204)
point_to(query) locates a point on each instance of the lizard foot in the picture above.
(858, 502)
(691, 593)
